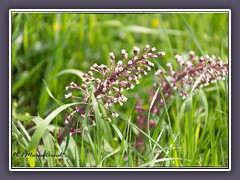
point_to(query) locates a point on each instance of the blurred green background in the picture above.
(43, 44)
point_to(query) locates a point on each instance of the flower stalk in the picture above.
(109, 84)
(193, 73)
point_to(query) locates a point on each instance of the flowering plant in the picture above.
(122, 75)
(192, 74)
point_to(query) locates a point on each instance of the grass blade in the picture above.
(192, 34)
(38, 133)
(49, 148)
(70, 71)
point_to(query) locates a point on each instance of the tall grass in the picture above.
(57, 48)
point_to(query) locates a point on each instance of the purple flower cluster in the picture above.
(122, 75)
(203, 71)
(195, 71)
(109, 83)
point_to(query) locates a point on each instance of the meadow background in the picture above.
(45, 44)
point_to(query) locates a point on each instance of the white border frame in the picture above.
(119, 11)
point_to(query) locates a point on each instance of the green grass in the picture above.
(57, 48)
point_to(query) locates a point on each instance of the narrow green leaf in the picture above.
(149, 146)
(49, 148)
(109, 155)
(73, 146)
(121, 138)
(99, 125)
(27, 77)
(68, 136)
(147, 136)
(51, 95)
(159, 160)
(70, 71)
(192, 34)
(38, 133)
(205, 103)
(197, 81)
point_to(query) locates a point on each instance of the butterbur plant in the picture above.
(193, 73)
(108, 84)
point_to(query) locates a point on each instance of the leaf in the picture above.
(99, 125)
(153, 100)
(49, 148)
(37, 120)
(74, 150)
(147, 136)
(158, 126)
(109, 154)
(68, 136)
(24, 118)
(21, 139)
(71, 71)
(158, 138)
(159, 160)
(205, 103)
(51, 95)
(124, 141)
(112, 23)
(149, 146)
(26, 77)
(32, 146)
(166, 110)
(192, 34)
(38, 133)
(197, 81)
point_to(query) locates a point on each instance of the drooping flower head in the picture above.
(122, 75)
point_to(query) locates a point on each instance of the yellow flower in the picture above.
(27, 114)
(57, 26)
(155, 23)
